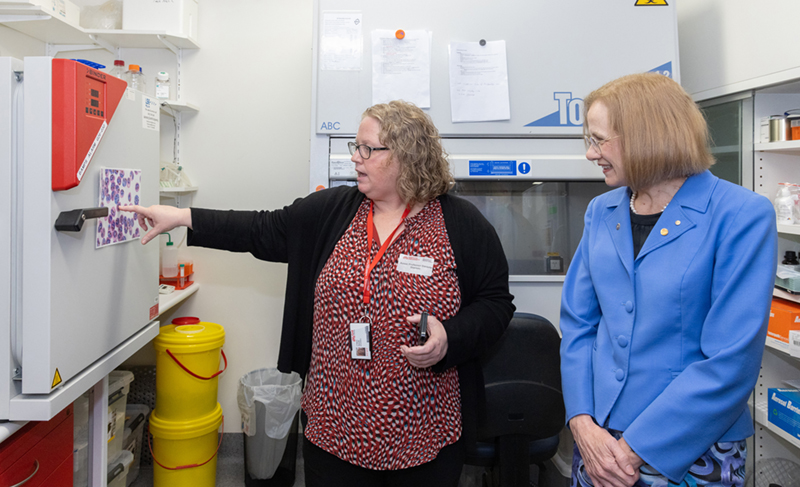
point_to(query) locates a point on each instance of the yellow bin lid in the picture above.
(200, 337)
(185, 430)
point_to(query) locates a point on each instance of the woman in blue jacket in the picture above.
(665, 306)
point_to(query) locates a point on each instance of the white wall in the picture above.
(728, 46)
(247, 148)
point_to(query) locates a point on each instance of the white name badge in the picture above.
(422, 266)
(360, 341)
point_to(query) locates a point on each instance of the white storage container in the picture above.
(178, 17)
(119, 383)
(118, 469)
(132, 440)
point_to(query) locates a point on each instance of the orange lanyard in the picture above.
(368, 268)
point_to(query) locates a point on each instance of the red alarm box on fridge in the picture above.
(84, 100)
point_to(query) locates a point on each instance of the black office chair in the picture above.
(524, 405)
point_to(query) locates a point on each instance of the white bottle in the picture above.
(169, 261)
(162, 85)
(784, 203)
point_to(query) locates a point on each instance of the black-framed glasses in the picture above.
(363, 149)
(597, 144)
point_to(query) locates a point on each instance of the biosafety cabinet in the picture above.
(521, 160)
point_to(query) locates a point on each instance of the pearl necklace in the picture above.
(633, 198)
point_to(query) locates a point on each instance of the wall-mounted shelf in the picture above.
(40, 23)
(169, 301)
(144, 39)
(183, 190)
(789, 229)
(789, 147)
(168, 107)
(780, 293)
(761, 416)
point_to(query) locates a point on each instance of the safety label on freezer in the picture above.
(492, 168)
(56, 379)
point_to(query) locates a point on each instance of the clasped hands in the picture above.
(609, 462)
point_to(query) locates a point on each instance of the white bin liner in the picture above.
(268, 401)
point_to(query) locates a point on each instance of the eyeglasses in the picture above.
(596, 144)
(363, 149)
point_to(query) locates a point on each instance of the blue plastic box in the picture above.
(784, 410)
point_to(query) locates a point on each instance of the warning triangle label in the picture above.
(56, 379)
(650, 3)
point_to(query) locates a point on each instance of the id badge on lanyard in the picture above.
(360, 337)
(360, 341)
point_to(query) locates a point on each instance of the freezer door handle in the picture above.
(72, 221)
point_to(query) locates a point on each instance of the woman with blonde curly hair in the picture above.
(380, 408)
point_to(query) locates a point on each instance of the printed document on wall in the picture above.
(341, 42)
(401, 68)
(479, 82)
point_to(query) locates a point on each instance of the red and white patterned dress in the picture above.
(383, 413)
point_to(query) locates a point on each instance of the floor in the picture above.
(230, 469)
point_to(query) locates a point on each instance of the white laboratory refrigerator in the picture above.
(75, 301)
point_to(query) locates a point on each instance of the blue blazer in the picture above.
(667, 347)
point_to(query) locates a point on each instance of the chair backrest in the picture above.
(522, 377)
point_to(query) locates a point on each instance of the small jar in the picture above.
(162, 85)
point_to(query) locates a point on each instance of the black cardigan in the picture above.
(304, 235)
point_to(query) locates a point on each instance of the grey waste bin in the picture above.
(268, 402)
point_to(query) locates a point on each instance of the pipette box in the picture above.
(784, 316)
(784, 410)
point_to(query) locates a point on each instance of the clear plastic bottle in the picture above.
(162, 85)
(135, 78)
(118, 69)
(169, 260)
(784, 204)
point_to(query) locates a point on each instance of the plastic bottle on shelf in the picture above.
(162, 85)
(135, 78)
(118, 69)
(784, 204)
(169, 260)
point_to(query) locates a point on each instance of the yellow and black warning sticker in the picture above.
(56, 379)
(651, 3)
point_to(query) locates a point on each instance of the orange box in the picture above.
(784, 316)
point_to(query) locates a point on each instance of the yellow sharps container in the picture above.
(187, 366)
(185, 452)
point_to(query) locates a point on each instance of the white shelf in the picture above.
(168, 107)
(791, 147)
(789, 229)
(169, 301)
(780, 293)
(41, 24)
(145, 39)
(761, 415)
(777, 345)
(182, 190)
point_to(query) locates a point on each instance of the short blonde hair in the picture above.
(417, 148)
(662, 132)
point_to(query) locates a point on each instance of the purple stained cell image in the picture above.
(118, 186)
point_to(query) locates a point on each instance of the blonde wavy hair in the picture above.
(662, 132)
(416, 146)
